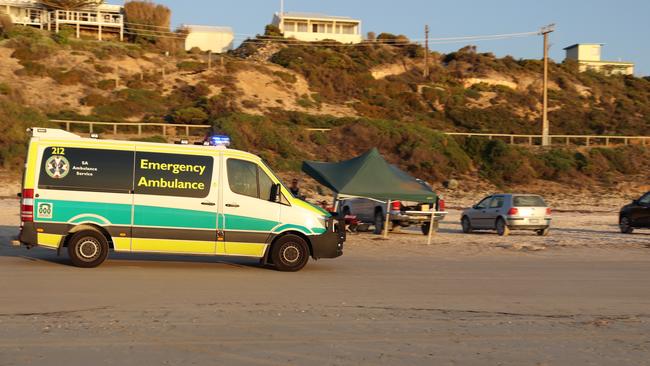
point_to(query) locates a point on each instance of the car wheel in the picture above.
(290, 253)
(379, 222)
(502, 227)
(466, 224)
(87, 249)
(543, 232)
(626, 226)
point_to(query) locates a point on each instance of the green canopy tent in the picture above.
(369, 176)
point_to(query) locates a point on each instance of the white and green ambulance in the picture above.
(92, 196)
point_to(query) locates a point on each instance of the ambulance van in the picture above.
(91, 196)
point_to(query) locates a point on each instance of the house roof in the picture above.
(583, 44)
(316, 16)
(39, 4)
(207, 28)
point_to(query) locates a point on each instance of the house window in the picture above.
(348, 29)
(289, 26)
(302, 27)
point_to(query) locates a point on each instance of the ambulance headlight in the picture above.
(219, 140)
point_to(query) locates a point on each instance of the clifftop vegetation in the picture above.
(264, 94)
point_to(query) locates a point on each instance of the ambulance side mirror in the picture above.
(275, 193)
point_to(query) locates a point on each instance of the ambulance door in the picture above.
(175, 202)
(81, 185)
(249, 214)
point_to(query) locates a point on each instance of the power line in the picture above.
(293, 42)
(243, 36)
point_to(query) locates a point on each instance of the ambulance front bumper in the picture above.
(330, 243)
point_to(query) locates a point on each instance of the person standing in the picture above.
(294, 189)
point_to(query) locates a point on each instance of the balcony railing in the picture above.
(88, 17)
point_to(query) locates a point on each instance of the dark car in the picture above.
(635, 215)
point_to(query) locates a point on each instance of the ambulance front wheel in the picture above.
(87, 249)
(290, 253)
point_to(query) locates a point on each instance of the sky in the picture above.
(623, 26)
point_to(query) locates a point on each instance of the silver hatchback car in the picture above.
(505, 212)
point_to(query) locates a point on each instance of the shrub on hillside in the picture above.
(106, 84)
(70, 77)
(127, 103)
(31, 68)
(149, 23)
(13, 137)
(193, 66)
(272, 30)
(189, 115)
(389, 38)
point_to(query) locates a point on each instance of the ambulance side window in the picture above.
(248, 179)
(92, 170)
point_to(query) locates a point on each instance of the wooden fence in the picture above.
(162, 127)
(583, 140)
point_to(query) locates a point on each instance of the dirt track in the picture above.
(577, 297)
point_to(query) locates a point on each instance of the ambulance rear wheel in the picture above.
(87, 249)
(290, 253)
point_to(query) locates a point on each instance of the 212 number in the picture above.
(58, 151)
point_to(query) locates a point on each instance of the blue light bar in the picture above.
(219, 140)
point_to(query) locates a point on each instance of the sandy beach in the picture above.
(577, 297)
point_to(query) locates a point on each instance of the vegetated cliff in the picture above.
(266, 94)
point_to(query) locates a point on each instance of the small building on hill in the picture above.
(588, 56)
(311, 27)
(209, 38)
(102, 20)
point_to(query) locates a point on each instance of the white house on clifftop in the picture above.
(588, 56)
(103, 19)
(312, 27)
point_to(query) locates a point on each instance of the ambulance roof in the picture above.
(54, 134)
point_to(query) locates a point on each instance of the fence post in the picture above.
(568, 141)
(625, 140)
(606, 141)
(91, 127)
(164, 130)
(114, 128)
(587, 141)
(67, 126)
(530, 140)
(139, 130)
(512, 139)
(187, 130)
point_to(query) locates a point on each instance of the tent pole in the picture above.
(430, 234)
(387, 219)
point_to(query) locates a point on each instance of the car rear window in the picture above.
(528, 201)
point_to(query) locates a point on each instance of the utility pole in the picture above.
(281, 25)
(545, 31)
(426, 51)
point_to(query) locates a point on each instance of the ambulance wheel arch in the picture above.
(88, 227)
